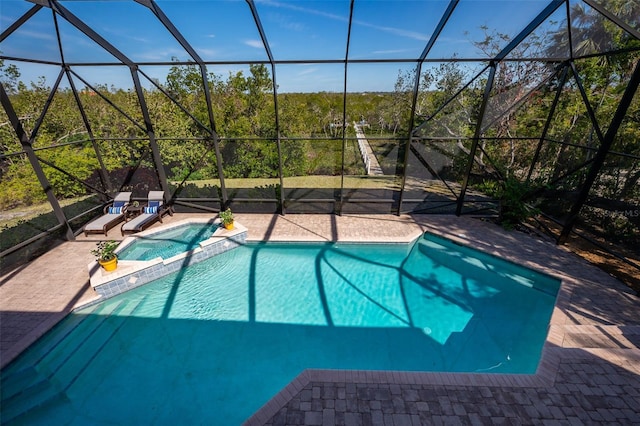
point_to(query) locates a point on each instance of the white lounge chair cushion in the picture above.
(123, 197)
(99, 223)
(135, 223)
(114, 213)
(156, 200)
(156, 196)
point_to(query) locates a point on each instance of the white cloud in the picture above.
(308, 71)
(395, 31)
(161, 54)
(35, 35)
(391, 30)
(304, 10)
(388, 52)
(206, 52)
(254, 43)
(286, 22)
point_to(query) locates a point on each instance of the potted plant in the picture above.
(105, 254)
(226, 217)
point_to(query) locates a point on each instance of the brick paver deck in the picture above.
(589, 374)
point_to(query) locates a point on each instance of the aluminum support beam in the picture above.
(542, 16)
(613, 18)
(601, 155)
(155, 9)
(110, 102)
(344, 107)
(161, 89)
(35, 164)
(448, 101)
(155, 150)
(590, 112)
(568, 29)
(24, 18)
(265, 42)
(84, 28)
(278, 141)
(547, 124)
(517, 104)
(104, 175)
(476, 136)
(416, 88)
(46, 106)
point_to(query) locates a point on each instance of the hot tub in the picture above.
(160, 251)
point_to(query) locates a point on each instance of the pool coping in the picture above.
(592, 335)
(545, 376)
(131, 274)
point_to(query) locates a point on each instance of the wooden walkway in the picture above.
(371, 163)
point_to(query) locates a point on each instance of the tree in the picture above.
(9, 77)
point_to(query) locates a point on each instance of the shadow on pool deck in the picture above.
(593, 355)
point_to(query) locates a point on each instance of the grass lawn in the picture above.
(350, 182)
(12, 217)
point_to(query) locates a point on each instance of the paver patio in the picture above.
(589, 374)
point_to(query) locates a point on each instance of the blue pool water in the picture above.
(214, 342)
(166, 244)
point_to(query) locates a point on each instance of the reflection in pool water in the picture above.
(211, 343)
(168, 243)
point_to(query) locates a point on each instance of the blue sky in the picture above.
(222, 30)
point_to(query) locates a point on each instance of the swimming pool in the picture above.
(153, 254)
(169, 242)
(212, 343)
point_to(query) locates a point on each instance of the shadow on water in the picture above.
(167, 243)
(179, 371)
(159, 366)
(200, 235)
(323, 258)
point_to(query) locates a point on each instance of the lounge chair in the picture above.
(113, 214)
(152, 212)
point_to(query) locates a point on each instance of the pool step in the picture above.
(14, 383)
(66, 369)
(76, 382)
(15, 376)
(48, 342)
(43, 383)
(55, 357)
(39, 394)
(27, 388)
(42, 416)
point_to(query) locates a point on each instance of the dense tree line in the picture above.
(310, 125)
(244, 116)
